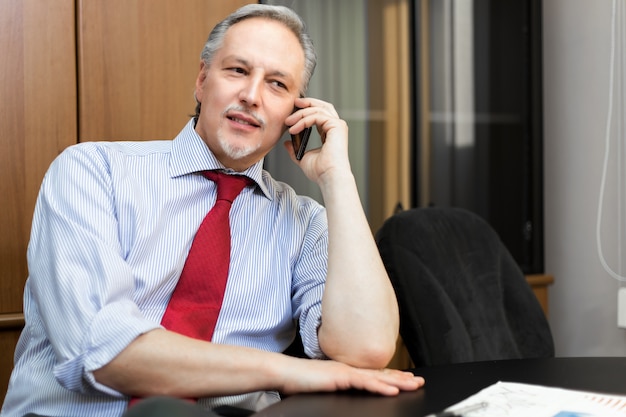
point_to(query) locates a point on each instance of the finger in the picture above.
(374, 385)
(389, 382)
(406, 381)
(384, 389)
(306, 103)
(299, 120)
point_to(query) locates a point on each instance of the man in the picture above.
(114, 223)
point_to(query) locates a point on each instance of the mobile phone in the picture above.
(300, 140)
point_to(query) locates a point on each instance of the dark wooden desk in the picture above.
(447, 385)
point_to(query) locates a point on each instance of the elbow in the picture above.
(376, 355)
(370, 355)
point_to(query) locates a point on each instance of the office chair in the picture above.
(462, 296)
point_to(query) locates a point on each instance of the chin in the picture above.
(235, 152)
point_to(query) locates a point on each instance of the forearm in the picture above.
(165, 363)
(359, 308)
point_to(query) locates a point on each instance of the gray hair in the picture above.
(280, 14)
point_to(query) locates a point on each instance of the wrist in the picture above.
(336, 179)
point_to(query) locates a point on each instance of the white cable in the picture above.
(606, 267)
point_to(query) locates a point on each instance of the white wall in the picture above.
(583, 300)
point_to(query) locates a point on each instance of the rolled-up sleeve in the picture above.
(309, 282)
(78, 277)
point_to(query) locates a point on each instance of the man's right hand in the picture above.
(326, 375)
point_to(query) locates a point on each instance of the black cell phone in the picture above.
(300, 140)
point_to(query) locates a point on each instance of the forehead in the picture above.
(265, 43)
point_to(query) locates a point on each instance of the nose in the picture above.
(250, 93)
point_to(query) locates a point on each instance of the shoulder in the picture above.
(283, 193)
(300, 211)
(90, 155)
(137, 148)
(88, 164)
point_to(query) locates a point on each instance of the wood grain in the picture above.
(138, 61)
(37, 121)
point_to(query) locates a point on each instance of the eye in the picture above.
(237, 70)
(279, 84)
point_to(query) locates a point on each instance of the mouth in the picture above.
(243, 119)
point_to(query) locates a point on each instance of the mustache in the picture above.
(245, 110)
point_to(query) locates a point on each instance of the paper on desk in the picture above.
(510, 399)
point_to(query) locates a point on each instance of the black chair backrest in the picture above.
(462, 296)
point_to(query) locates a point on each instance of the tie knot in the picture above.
(228, 186)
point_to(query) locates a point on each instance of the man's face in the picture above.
(248, 91)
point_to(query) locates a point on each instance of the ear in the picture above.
(200, 82)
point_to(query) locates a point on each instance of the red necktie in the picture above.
(197, 298)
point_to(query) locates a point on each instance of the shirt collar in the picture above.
(190, 155)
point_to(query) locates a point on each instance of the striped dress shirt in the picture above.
(112, 227)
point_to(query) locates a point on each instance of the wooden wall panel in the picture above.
(37, 121)
(138, 61)
(12, 191)
(8, 340)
